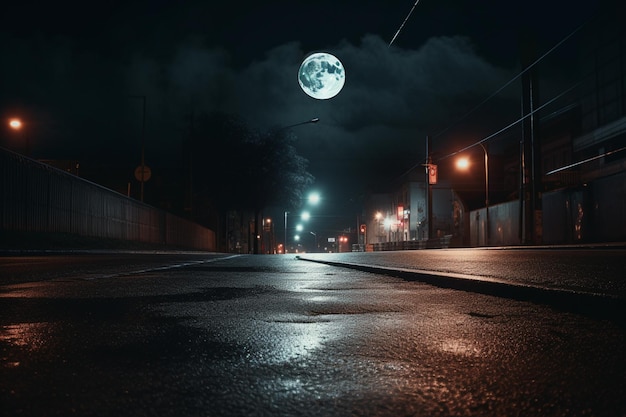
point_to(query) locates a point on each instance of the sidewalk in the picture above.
(593, 304)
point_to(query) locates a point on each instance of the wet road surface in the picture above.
(273, 335)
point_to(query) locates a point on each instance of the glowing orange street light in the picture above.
(462, 163)
(15, 124)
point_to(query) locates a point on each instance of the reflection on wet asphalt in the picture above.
(271, 335)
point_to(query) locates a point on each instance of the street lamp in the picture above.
(17, 125)
(463, 164)
(387, 225)
(268, 240)
(378, 218)
(285, 241)
(313, 199)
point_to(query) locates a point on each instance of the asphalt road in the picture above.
(87, 265)
(213, 335)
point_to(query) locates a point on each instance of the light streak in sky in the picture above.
(403, 23)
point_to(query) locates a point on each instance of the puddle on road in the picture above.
(25, 336)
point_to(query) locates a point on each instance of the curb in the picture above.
(594, 305)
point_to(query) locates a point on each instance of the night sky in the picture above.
(69, 70)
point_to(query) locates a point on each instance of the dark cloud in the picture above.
(384, 86)
(392, 97)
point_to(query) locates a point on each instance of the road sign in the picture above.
(147, 173)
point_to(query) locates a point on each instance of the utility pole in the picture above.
(142, 176)
(530, 152)
(431, 178)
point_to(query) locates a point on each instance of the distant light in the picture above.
(15, 124)
(299, 228)
(306, 215)
(314, 198)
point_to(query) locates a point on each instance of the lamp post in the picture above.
(285, 241)
(267, 241)
(378, 217)
(314, 198)
(316, 244)
(463, 164)
(313, 120)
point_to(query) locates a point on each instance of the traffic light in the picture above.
(432, 174)
(363, 227)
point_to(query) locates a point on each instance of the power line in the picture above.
(502, 130)
(528, 68)
(511, 81)
(403, 23)
(575, 164)
(552, 100)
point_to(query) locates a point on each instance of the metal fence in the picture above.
(503, 225)
(434, 243)
(595, 212)
(36, 197)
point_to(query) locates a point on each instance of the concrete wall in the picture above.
(35, 197)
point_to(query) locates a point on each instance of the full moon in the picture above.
(321, 75)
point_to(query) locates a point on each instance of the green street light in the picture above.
(314, 198)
